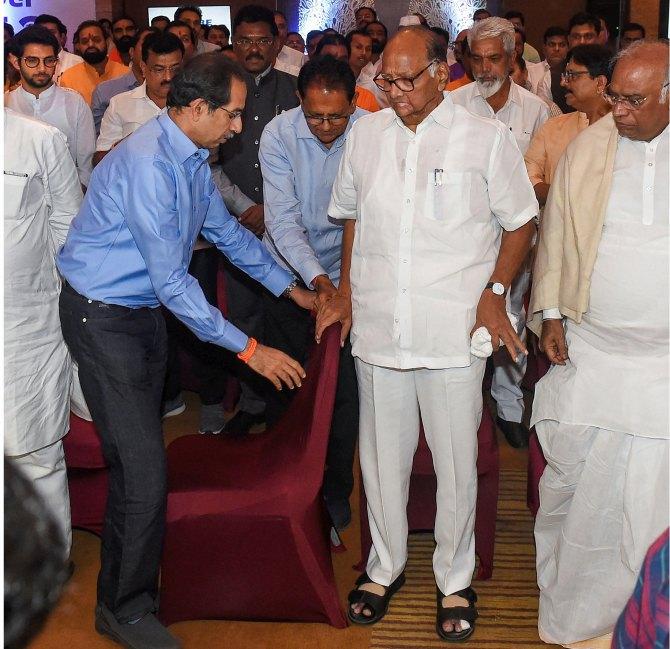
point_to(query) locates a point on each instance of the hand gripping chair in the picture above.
(247, 536)
(86, 474)
(421, 506)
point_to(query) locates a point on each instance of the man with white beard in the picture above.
(495, 95)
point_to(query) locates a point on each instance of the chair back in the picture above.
(300, 438)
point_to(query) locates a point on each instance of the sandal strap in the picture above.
(469, 614)
(372, 600)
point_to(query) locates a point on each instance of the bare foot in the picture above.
(370, 587)
(455, 625)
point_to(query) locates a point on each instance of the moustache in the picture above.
(258, 57)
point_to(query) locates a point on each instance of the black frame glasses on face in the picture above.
(571, 75)
(333, 120)
(34, 61)
(404, 84)
(246, 43)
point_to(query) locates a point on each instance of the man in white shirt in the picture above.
(437, 203)
(162, 55)
(34, 53)
(59, 30)
(41, 197)
(288, 59)
(495, 95)
(600, 300)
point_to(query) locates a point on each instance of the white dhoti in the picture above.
(393, 402)
(46, 471)
(603, 501)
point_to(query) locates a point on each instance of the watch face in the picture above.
(498, 289)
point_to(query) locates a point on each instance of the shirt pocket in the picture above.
(447, 195)
(15, 188)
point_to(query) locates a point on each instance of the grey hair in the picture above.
(493, 27)
(633, 51)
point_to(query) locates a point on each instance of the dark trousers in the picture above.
(291, 329)
(209, 361)
(121, 354)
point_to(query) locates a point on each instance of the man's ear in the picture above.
(198, 107)
(442, 74)
(14, 60)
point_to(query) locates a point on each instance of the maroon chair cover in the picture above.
(86, 475)
(421, 507)
(247, 536)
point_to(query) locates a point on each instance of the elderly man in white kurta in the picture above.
(495, 95)
(42, 196)
(601, 413)
(438, 211)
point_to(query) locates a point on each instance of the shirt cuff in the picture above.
(233, 339)
(311, 269)
(551, 314)
(277, 280)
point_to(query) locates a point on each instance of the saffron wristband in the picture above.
(248, 351)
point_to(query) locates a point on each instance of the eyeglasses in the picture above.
(333, 120)
(248, 42)
(405, 84)
(233, 115)
(161, 69)
(570, 75)
(34, 61)
(630, 102)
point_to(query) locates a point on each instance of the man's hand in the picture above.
(303, 298)
(491, 314)
(552, 341)
(325, 290)
(336, 309)
(253, 218)
(277, 367)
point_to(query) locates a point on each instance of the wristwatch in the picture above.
(497, 288)
(287, 291)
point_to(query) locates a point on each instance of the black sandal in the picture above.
(468, 613)
(378, 604)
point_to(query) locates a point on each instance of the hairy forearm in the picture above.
(513, 250)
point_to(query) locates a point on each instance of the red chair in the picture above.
(421, 507)
(247, 536)
(86, 474)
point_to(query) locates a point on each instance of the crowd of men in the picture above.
(446, 202)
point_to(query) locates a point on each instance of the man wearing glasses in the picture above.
(34, 53)
(430, 247)
(300, 154)
(162, 55)
(600, 304)
(127, 252)
(269, 93)
(585, 77)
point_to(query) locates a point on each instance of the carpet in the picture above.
(507, 602)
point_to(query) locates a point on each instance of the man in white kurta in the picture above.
(38, 96)
(42, 196)
(601, 413)
(496, 96)
(427, 190)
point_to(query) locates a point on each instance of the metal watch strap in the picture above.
(287, 291)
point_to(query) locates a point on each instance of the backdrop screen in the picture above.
(217, 15)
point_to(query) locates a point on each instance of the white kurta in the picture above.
(42, 196)
(69, 113)
(602, 418)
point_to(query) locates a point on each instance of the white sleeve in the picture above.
(551, 314)
(111, 128)
(344, 197)
(85, 142)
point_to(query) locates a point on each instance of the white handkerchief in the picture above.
(480, 344)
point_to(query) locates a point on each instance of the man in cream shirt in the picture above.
(600, 302)
(438, 210)
(495, 95)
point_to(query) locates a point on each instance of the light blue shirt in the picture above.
(132, 240)
(298, 176)
(104, 92)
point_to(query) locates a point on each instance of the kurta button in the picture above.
(255, 165)
(257, 94)
(396, 321)
(256, 189)
(90, 301)
(83, 319)
(255, 141)
(255, 118)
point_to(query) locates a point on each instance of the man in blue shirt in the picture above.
(128, 252)
(300, 153)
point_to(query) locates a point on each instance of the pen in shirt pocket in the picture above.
(18, 174)
(278, 110)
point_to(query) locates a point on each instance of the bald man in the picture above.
(600, 304)
(429, 249)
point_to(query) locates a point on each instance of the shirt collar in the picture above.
(258, 78)
(442, 114)
(182, 146)
(514, 95)
(44, 95)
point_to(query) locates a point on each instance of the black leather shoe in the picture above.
(146, 633)
(515, 433)
(240, 424)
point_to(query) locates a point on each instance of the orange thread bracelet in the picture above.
(248, 351)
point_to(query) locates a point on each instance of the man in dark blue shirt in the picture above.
(128, 252)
